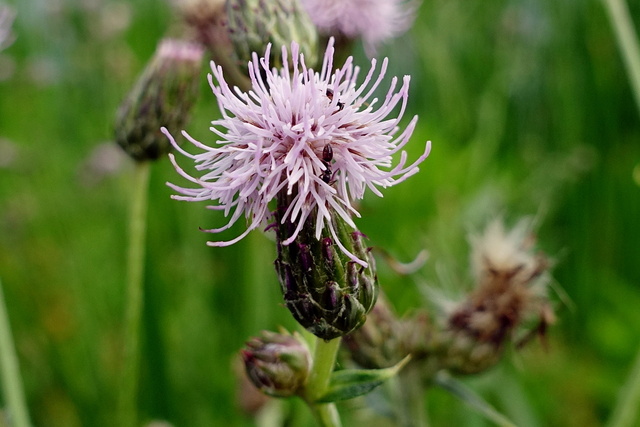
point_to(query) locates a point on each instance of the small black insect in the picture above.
(330, 96)
(327, 156)
(327, 175)
(327, 153)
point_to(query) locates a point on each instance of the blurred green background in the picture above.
(530, 113)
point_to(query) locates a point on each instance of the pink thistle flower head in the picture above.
(372, 20)
(318, 136)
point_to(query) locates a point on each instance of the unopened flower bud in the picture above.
(162, 97)
(206, 22)
(255, 23)
(277, 363)
(377, 343)
(328, 292)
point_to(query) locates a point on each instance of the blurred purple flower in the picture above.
(315, 135)
(372, 20)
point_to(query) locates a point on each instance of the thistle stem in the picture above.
(627, 42)
(127, 403)
(11, 382)
(324, 360)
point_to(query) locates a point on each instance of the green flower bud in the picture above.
(162, 97)
(377, 343)
(255, 23)
(327, 292)
(277, 364)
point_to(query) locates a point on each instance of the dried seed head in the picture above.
(511, 280)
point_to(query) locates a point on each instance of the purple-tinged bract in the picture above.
(273, 139)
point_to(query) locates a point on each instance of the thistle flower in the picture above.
(372, 20)
(314, 136)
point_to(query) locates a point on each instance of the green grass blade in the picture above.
(11, 381)
(472, 399)
(625, 413)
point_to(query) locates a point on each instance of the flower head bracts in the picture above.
(316, 135)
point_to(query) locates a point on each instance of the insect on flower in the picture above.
(327, 156)
(330, 96)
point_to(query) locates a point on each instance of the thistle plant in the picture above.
(293, 154)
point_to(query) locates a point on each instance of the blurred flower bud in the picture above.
(206, 21)
(277, 363)
(255, 23)
(510, 289)
(162, 97)
(328, 292)
(376, 344)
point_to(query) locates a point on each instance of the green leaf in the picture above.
(351, 383)
(471, 398)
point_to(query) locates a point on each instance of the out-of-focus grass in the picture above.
(529, 111)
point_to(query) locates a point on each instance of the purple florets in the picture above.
(274, 138)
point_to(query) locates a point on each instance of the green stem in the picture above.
(134, 296)
(627, 42)
(11, 382)
(625, 413)
(324, 360)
